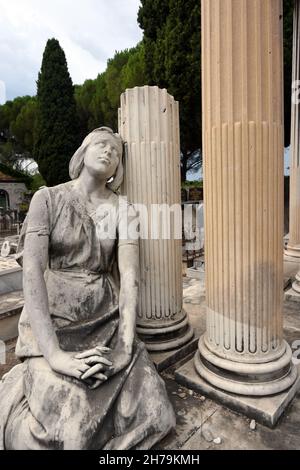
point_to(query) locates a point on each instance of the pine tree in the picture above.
(172, 30)
(172, 60)
(152, 18)
(56, 132)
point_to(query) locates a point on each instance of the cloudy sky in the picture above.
(89, 31)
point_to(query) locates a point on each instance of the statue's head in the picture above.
(101, 153)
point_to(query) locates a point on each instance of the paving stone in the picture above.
(235, 433)
(191, 414)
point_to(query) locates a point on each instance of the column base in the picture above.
(265, 410)
(253, 379)
(292, 251)
(165, 336)
(291, 295)
(165, 359)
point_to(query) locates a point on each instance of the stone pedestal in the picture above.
(243, 350)
(293, 247)
(198, 269)
(149, 125)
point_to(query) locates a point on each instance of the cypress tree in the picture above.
(56, 131)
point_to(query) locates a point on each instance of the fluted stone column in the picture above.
(149, 124)
(293, 247)
(243, 350)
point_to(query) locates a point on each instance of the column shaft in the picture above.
(293, 248)
(149, 124)
(243, 349)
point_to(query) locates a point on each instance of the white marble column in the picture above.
(243, 350)
(149, 124)
(293, 247)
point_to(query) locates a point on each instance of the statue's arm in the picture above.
(35, 261)
(120, 356)
(128, 260)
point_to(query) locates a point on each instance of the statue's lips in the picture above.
(104, 160)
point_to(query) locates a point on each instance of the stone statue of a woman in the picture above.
(85, 381)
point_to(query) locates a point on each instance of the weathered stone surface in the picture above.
(10, 277)
(191, 414)
(293, 246)
(234, 429)
(194, 305)
(86, 380)
(243, 350)
(11, 305)
(235, 432)
(292, 295)
(149, 124)
(266, 410)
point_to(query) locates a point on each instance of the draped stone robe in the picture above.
(41, 409)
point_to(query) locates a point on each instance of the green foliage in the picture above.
(56, 133)
(113, 76)
(168, 56)
(103, 111)
(152, 18)
(172, 30)
(192, 184)
(16, 131)
(10, 110)
(133, 72)
(7, 154)
(98, 100)
(36, 181)
(23, 126)
(19, 175)
(84, 95)
(93, 106)
(172, 56)
(32, 182)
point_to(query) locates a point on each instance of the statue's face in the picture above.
(102, 156)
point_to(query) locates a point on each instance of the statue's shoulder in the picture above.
(55, 193)
(53, 196)
(59, 188)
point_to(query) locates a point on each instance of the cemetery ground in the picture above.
(203, 424)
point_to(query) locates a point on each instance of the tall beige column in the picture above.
(293, 248)
(149, 124)
(243, 350)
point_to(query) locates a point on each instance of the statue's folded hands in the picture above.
(117, 360)
(70, 364)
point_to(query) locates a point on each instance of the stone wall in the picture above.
(15, 192)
